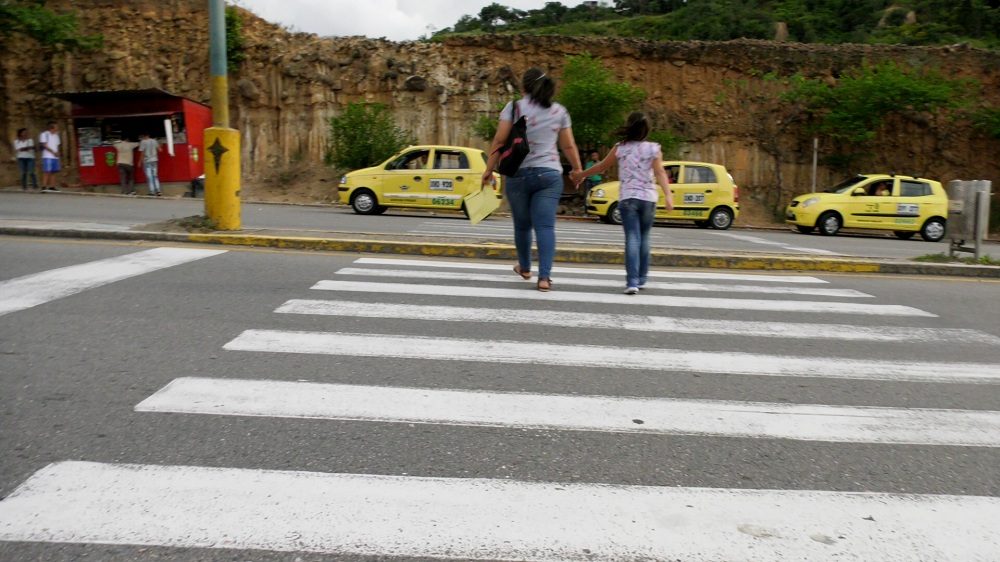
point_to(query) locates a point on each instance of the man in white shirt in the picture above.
(126, 165)
(49, 142)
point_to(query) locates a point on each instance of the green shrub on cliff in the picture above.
(597, 103)
(32, 18)
(854, 108)
(364, 135)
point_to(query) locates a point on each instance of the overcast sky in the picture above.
(398, 20)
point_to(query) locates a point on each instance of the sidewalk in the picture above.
(443, 246)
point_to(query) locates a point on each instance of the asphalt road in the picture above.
(74, 371)
(113, 213)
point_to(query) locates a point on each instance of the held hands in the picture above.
(577, 176)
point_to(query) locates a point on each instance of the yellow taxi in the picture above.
(419, 177)
(903, 204)
(702, 192)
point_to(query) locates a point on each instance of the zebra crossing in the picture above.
(350, 515)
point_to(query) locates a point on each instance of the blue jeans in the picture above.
(152, 175)
(533, 196)
(26, 166)
(637, 220)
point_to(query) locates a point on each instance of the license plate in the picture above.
(694, 198)
(441, 185)
(908, 209)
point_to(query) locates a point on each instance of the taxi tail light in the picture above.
(736, 193)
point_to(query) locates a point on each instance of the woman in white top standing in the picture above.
(24, 148)
(533, 192)
(639, 162)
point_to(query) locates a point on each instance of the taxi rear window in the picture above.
(450, 160)
(914, 189)
(699, 174)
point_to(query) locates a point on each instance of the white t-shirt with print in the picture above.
(51, 141)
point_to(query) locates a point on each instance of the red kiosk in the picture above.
(101, 118)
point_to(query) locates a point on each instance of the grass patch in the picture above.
(194, 223)
(945, 258)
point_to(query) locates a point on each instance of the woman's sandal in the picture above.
(544, 285)
(526, 275)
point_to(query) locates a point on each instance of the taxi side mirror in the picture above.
(858, 191)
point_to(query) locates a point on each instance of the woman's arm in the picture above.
(503, 131)
(663, 180)
(598, 168)
(568, 145)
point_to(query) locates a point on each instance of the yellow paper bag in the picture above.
(480, 204)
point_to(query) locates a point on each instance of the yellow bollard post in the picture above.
(222, 177)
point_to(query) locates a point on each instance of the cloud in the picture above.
(398, 20)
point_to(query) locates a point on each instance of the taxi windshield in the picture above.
(845, 185)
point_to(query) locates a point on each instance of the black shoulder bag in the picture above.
(515, 149)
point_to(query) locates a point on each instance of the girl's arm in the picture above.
(568, 145)
(663, 180)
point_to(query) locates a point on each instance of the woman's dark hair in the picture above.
(539, 86)
(636, 127)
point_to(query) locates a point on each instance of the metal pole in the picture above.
(222, 144)
(815, 160)
(217, 58)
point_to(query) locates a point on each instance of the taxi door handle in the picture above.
(416, 178)
(708, 191)
(459, 178)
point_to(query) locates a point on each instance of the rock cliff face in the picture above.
(718, 96)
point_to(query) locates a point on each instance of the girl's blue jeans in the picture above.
(637, 220)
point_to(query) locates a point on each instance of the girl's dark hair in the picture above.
(539, 86)
(21, 130)
(636, 127)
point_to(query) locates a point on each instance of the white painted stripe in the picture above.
(656, 274)
(582, 282)
(453, 291)
(562, 239)
(39, 288)
(557, 319)
(679, 360)
(764, 242)
(801, 422)
(486, 519)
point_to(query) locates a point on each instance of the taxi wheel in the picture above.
(933, 230)
(614, 215)
(804, 229)
(829, 223)
(721, 218)
(904, 234)
(364, 202)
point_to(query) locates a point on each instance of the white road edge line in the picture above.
(559, 319)
(609, 414)
(787, 306)
(655, 274)
(606, 283)
(678, 360)
(485, 519)
(39, 288)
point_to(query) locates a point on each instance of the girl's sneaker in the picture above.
(631, 290)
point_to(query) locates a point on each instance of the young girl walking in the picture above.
(639, 163)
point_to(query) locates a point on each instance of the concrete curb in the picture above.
(773, 262)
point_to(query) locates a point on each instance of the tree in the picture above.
(597, 103)
(364, 135)
(32, 18)
(235, 41)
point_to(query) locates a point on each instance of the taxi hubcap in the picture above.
(720, 219)
(935, 229)
(364, 202)
(831, 224)
(616, 215)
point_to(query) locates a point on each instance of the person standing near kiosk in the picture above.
(149, 150)
(49, 142)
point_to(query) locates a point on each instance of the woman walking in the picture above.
(533, 192)
(639, 162)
